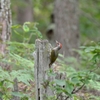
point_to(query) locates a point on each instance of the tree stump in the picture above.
(42, 79)
(42, 61)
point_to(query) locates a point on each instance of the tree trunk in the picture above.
(25, 13)
(5, 24)
(67, 25)
(5, 29)
(41, 68)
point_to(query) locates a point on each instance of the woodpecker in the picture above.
(54, 53)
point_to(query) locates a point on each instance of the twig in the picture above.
(74, 91)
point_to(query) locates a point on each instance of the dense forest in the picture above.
(49, 50)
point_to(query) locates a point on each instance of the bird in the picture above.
(54, 53)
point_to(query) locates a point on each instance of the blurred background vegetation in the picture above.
(31, 19)
(89, 12)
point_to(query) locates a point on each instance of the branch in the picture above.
(74, 91)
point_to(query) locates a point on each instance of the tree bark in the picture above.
(5, 25)
(41, 68)
(67, 25)
(5, 30)
(25, 13)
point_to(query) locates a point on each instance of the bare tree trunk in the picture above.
(5, 24)
(67, 25)
(41, 68)
(25, 13)
(5, 30)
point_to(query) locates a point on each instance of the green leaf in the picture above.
(25, 28)
(75, 80)
(16, 26)
(89, 49)
(22, 76)
(18, 94)
(27, 23)
(69, 87)
(60, 82)
(60, 55)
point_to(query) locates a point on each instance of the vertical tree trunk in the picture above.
(5, 30)
(5, 24)
(67, 25)
(41, 67)
(25, 13)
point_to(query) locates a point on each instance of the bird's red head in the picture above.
(59, 44)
